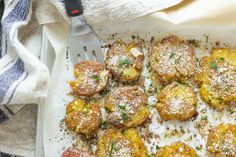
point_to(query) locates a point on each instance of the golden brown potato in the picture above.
(91, 78)
(221, 141)
(176, 102)
(125, 61)
(172, 60)
(217, 78)
(121, 144)
(73, 152)
(177, 149)
(83, 117)
(127, 107)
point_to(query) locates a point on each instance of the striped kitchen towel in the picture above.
(23, 78)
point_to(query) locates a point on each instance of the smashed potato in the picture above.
(172, 60)
(125, 61)
(177, 149)
(127, 107)
(91, 78)
(83, 117)
(217, 78)
(121, 144)
(176, 101)
(222, 141)
(73, 152)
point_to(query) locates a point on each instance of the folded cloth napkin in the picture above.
(23, 77)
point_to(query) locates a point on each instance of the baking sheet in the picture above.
(56, 139)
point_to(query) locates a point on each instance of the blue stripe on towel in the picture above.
(0, 41)
(9, 77)
(14, 90)
(6, 155)
(3, 117)
(17, 14)
(1, 12)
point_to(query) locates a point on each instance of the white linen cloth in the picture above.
(23, 77)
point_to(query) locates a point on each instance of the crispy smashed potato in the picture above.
(125, 61)
(222, 141)
(91, 78)
(73, 152)
(83, 117)
(121, 144)
(176, 101)
(217, 78)
(177, 149)
(172, 60)
(127, 107)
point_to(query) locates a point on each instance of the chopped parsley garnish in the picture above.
(113, 147)
(104, 125)
(62, 120)
(214, 65)
(121, 107)
(96, 77)
(156, 59)
(86, 109)
(222, 59)
(148, 65)
(155, 89)
(122, 111)
(177, 60)
(204, 118)
(206, 38)
(220, 99)
(124, 62)
(133, 37)
(105, 92)
(124, 116)
(123, 131)
(172, 55)
(226, 150)
(198, 148)
(183, 83)
(157, 147)
(203, 110)
(107, 109)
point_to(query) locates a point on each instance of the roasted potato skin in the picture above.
(73, 152)
(172, 60)
(123, 64)
(177, 149)
(83, 117)
(221, 141)
(135, 106)
(128, 144)
(217, 78)
(176, 102)
(91, 78)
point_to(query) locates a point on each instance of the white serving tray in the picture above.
(47, 57)
(55, 141)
